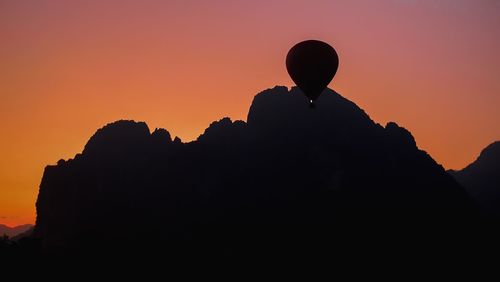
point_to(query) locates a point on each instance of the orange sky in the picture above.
(69, 67)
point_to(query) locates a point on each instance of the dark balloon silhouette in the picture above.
(312, 64)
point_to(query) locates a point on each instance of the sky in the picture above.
(68, 68)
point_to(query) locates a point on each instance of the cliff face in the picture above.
(287, 165)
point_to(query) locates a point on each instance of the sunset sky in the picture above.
(69, 67)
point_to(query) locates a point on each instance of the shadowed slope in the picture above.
(482, 178)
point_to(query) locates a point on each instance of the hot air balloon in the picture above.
(312, 64)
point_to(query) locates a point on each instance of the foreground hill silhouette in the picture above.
(482, 179)
(288, 174)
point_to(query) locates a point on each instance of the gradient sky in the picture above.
(69, 67)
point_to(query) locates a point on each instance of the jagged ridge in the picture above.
(287, 164)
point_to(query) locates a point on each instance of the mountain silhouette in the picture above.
(482, 178)
(289, 174)
(14, 231)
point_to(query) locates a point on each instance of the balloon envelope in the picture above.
(312, 64)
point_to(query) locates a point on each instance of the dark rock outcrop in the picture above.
(241, 183)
